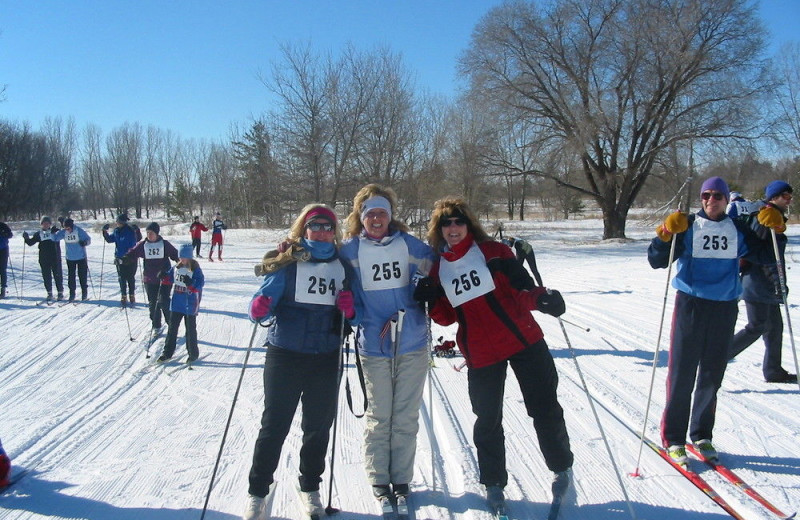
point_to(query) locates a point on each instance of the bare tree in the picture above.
(617, 81)
(91, 181)
(789, 96)
(300, 84)
(124, 172)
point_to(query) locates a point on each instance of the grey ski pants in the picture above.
(392, 415)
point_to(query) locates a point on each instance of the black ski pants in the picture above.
(702, 332)
(82, 267)
(4, 267)
(763, 321)
(126, 274)
(538, 381)
(158, 296)
(289, 378)
(52, 271)
(196, 245)
(175, 319)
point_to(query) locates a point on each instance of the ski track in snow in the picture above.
(110, 435)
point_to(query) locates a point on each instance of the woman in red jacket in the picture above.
(479, 284)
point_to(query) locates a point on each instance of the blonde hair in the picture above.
(444, 209)
(298, 229)
(274, 260)
(353, 222)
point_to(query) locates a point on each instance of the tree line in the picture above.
(609, 102)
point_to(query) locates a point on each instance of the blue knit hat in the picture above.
(716, 184)
(775, 188)
(186, 251)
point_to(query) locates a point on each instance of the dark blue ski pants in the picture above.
(702, 331)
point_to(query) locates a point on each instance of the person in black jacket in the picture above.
(5, 234)
(49, 257)
(763, 296)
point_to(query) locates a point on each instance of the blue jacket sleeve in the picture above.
(83, 235)
(272, 287)
(198, 279)
(59, 235)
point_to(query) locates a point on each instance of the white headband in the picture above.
(376, 202)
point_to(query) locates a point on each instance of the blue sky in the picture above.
(192, 66)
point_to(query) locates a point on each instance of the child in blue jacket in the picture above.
(188, 280)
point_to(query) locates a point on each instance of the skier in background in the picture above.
(76, 240)
(216, 236)
(763, 294)
(157, 253)
(5, 235)
(49, 257)
(196, 232)
(124, 237)
(187, 280)
(741, 207)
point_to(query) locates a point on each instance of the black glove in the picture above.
(427, 290)
(185, 279)
(119, 261)
(551, 303)
(25, 235)
(105, 227)
(82, 243)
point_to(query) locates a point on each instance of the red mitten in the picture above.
(346, 303)
(5, 468)
(259, 307)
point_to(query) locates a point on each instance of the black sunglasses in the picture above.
(707, 195)
(319, 226)
(453, 222)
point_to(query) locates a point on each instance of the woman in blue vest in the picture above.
(304, 294)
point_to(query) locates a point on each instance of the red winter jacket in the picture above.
(497, 325)
(196, 229)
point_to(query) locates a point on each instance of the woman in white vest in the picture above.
(392, 334)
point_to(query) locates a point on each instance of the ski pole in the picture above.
(22, 279)
(596, 418)
(430, 392)
(586, 329)
(125, 308)
(655, 358)
(141, 279)
(102, 265)
(157, 311)
(782, 278)
(13, 276)
(89, 276)
(397, 328)
(228, 423)
(329, 510)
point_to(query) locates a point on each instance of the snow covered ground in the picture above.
(108, 436)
